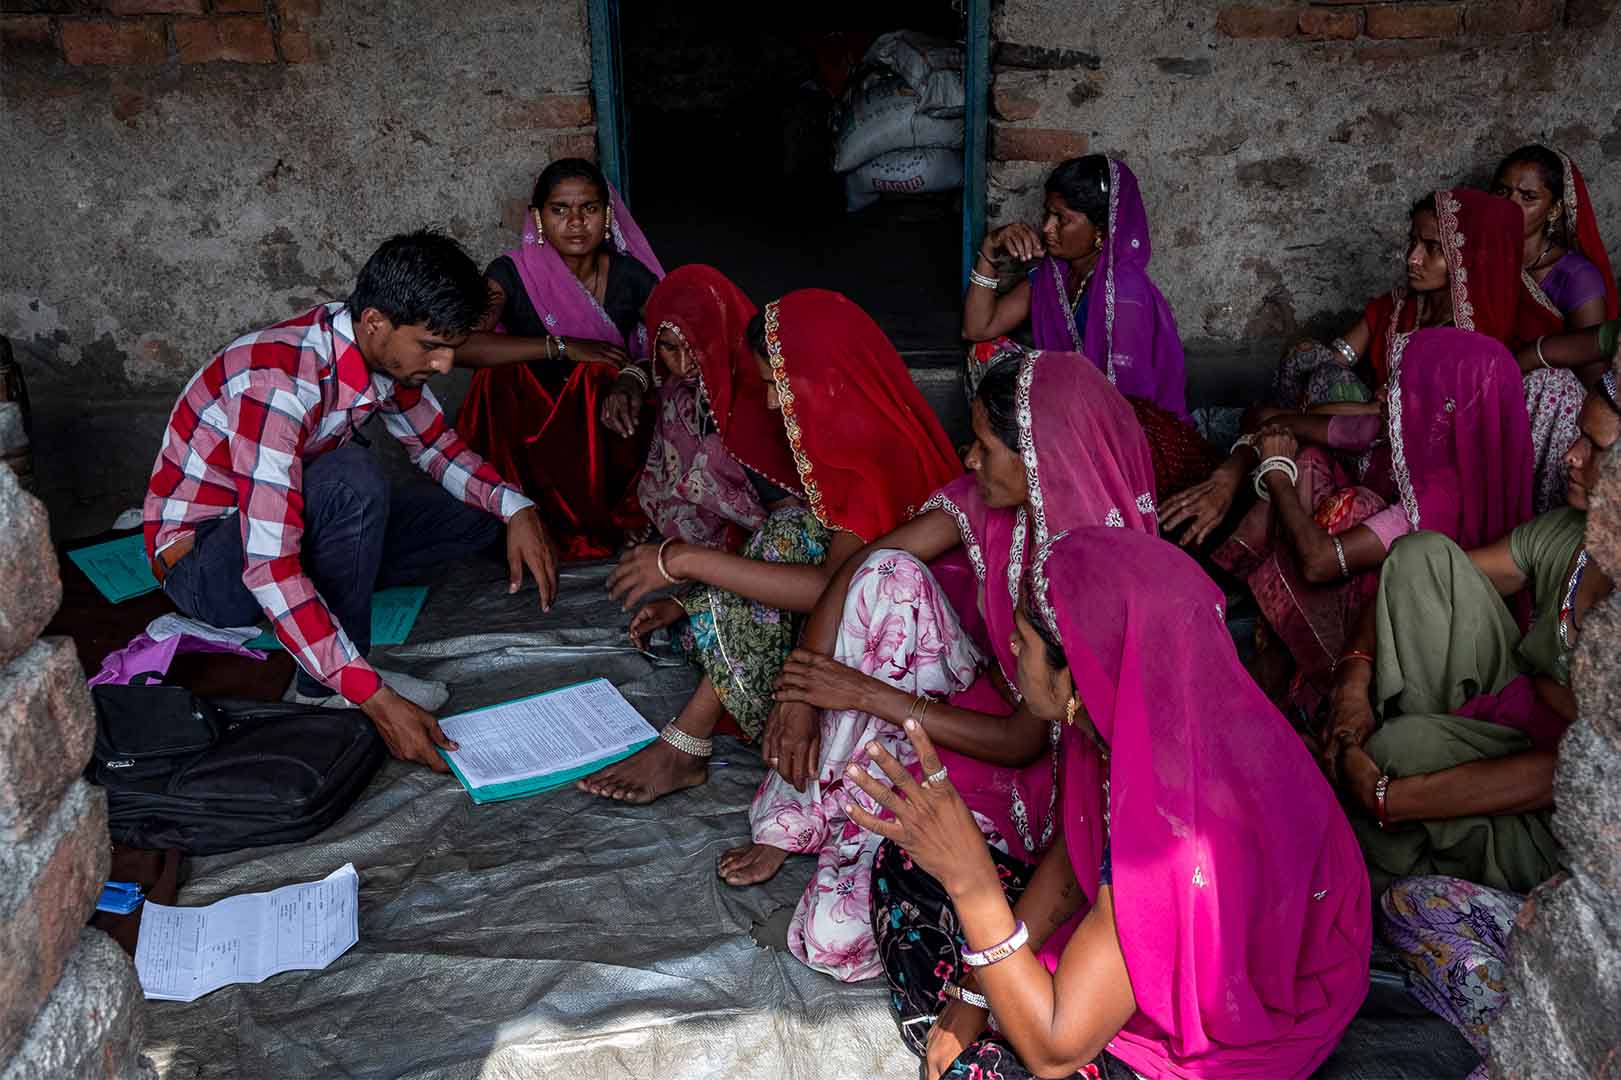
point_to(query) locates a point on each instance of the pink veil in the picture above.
(557, 295)
(1240, 895)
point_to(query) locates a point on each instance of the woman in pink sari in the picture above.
(912, 624)
(1451, 454)
(559, 401)
(1204, 912)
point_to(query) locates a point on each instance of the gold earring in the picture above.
(540, 234)
(610, 217)
(1097, 243)
(1069, 710)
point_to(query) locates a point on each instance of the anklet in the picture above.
(687, 744)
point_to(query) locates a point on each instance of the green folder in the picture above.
(393, 614)
(118, 568)
(548, 780)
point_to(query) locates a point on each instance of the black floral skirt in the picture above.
(920, 944)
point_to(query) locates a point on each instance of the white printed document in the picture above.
(185, 952)
(538, 743)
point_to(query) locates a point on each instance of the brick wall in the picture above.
(1279, 143)
(69, 1001)
(143, 33)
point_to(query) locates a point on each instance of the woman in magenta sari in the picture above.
(918, 624)
(1568, 286)
(1203, 911)
(719, 455)
(1090, 295)
(559, 403)
(1451, 454)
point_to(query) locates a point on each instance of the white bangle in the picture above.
(1339, 553)
(1540, 358)
(1244, 440)
(1276, 463)
(1001, 950)
(984, 281)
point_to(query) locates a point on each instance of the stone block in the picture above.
(103, 42)
(236, 7)
(26, 33)
(298, 9)
(1041, 58)
(1512, 16)
(580, 145)
(47, 728)
(1036, 144)
(297, 46)
(155, 7)
(241, 39)
(1414, 20)
(1258, 21)
(48, 887)
(1588, 14)
(1009, 104)
(1330, 24)
(1604, 517)
(93, 1025)
(13, 433)
(1564, 977)
(30, 580)
(549, 111)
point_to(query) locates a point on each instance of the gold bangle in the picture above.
(663, 572)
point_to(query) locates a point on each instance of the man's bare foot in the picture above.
(650, 773)
(750, 864)
(655, 616)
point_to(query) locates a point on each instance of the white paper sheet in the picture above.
(186, 952)
(551, 732)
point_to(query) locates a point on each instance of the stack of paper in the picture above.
(184, 953)
(542, 742)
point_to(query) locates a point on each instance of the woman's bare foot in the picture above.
(655, 616)
(652, 772)
(750, 864)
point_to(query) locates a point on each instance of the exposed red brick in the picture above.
(1009, 104)
(243, 39)
(1257, 21)
(1036, 144)
(114, 41)
(155, 7)
(237, 6)
(1414, 20)
(71, 858)
(295, 11)
(550, 111)
(32, 32)
(297, 46)
(1513, 16)
(1330, 24)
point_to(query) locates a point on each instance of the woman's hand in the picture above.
(1202, 507)
(638, 574)
(1278, 441)
(930, 819)
(623, 405)
(1359, 776)
(1016, 240)
(957, 1027)
(1350, 722)
(817, 679)
(654, 616)
(596, 352)
(792, 744)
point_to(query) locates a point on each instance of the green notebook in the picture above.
(543, 741)
(393, 613)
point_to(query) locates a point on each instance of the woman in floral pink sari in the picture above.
(909, 627)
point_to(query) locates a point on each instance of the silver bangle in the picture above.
(984, 281)
(1244, 440)
(1276, 463)
(967, 997)
(1339, 553)
(1343, 347)
(1540, 358)
(639, 375)
(687, 744)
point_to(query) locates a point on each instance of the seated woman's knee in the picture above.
(1416, 553)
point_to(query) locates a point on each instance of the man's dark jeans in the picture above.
(358, 537)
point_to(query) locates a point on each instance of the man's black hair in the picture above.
(422, 277)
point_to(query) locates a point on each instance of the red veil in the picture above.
(868, 449)
(1581, 221)
(1482, 236)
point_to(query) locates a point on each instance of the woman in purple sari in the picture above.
(559, 404)
(1090, 293)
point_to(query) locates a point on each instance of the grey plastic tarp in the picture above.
(562, 935)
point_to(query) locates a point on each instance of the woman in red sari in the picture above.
(867, 452)
(1568, 286)
(559, 403)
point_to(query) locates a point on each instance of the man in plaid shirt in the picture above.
(259, 504)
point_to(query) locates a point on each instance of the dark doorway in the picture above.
(730, 114)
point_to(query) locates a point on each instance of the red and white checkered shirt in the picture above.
(237, 442)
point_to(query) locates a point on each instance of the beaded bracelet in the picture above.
(967, 997)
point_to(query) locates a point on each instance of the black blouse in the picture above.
(629, 285)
